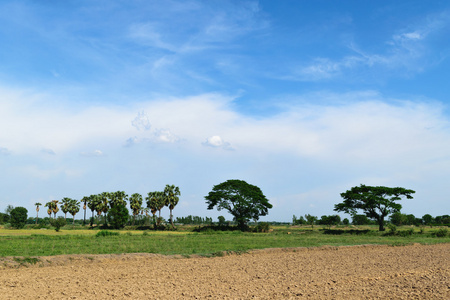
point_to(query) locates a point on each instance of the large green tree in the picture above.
(171, 198)
(376, 202)
(18, 217)
(244, 201)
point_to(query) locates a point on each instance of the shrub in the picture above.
(58, 223)
(262, 227)
(18, 217)
(118, 216)
(102, 233)
(392, 229)
(408, 232)
(441, 232)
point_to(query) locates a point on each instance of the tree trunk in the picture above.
(171, 219)
(84, 220)
(381, 223)
(37, 216)
(73, 222)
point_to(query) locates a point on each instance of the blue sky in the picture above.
(304, 99)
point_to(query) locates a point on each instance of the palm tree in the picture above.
(52, 207)
(74, 208)
(37, 211)
(65, 206)
(103, 205)
(171, 193)
(136, 205)
(55, 208)
(93, 204)
(117, 198)
(155, 201)
(85, 200)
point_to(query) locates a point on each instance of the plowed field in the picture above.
(374, 272)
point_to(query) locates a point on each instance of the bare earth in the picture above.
(374, 272)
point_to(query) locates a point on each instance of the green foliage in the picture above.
(345, 221)
(4, 218)
(392, 228)
(360, 220)
(375, 201)
(298, 221)
(58, 223)
(135, 205)
(222, 221)
(195, 220)
(171, 198)
(262, 227)
(26, 260)
(18, 217)
(242, 200)
(405, 233)
(330, 220)
(427, 219)
(103, 233)
(310, 220)
(118, 216)
(442, 232)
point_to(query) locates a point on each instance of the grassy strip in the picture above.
(193, 243)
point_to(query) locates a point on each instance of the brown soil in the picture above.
(383, 272)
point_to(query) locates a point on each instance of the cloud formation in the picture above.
(216, 141)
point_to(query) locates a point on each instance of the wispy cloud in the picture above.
(405, 51)
(95, 153)
(141, 122)
(4, 151)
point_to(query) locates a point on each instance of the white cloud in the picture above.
(216, 141)
(165, 135)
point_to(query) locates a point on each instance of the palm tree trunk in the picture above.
(171, 219)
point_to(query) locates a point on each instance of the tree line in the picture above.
(110, 206)
(396, 218)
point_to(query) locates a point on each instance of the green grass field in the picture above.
(33, 242)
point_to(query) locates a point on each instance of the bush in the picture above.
(392, 229)
(58, 223)
(102, 233)
(18, 217)
(408, 232)
(118, 216)
(441, 232)
(262, 227)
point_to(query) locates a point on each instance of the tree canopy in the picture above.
(244, 201)
(18, 217)
(375, 201)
